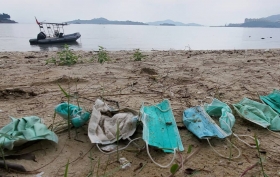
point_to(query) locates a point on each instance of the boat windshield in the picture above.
(52, 30)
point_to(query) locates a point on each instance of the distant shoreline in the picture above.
(7, 22)
(242, 27)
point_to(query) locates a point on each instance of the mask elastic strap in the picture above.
(239, 153)
(237, 136)
(143, 104)
(130, 141)
(162, 166)
(277, 134)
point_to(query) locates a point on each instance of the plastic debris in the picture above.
(124, 163)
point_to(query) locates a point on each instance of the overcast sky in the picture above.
(205, 12)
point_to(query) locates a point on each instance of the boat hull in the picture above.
(64, 39)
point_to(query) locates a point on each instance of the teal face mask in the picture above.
(223, 111)
(25, 129)
(273, 100)
(159, 127)
(258, 113)
(77, 115)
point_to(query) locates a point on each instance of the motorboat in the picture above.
(54, 33)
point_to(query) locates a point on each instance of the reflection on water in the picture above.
(55, 47)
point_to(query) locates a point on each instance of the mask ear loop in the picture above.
(147, 145)
(237, 136)
(162, 166)
(107, 153)
(143, 104)
(239, 152)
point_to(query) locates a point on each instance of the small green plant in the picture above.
(68, 118)
(189, 149)
(174, 168)
(102, 55)
(118, 136)
(2, 152)
(106, 165)
(3, 157)
(65, 57)
(260, 158)
(66, 169)
(138, 56)
(98, 165)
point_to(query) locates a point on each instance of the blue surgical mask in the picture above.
(201, 124)
(223, 111)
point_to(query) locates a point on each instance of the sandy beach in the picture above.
(29, 86)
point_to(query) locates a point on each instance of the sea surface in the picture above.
(15, 37)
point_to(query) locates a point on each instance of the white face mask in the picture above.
(102, 129)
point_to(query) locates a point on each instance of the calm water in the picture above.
(15, 37)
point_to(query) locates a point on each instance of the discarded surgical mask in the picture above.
(25, 129)
(223, 111)
(77, 115)
(201, 124)
(258, 113)
(159, 127)
(198, 121)
(107, 125)
(273, 100)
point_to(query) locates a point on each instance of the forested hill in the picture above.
(5, 18)
(105, 21)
